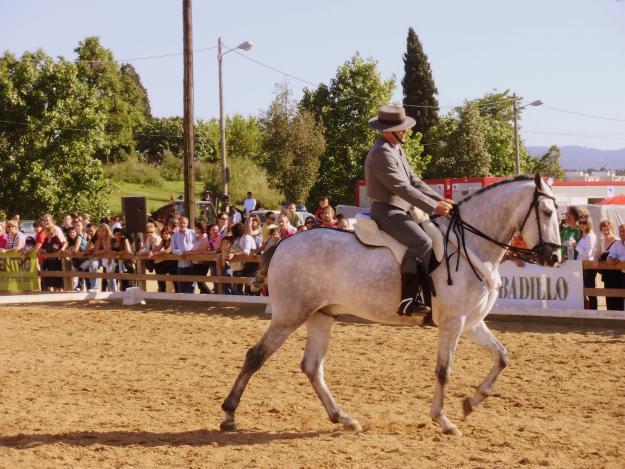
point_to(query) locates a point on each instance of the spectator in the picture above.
(242, 245)
(234, 214)
(214, 247)
(40, 237)
(76, 244)
(48, 220)
(249, 204)
(222, 223)
(14, 238)
(270, 222)
(150, 243)
(609, 277)
(102, 247)
(585, 251)
(121, 245)
(274, 237)
(310, 222)
(253, 228)
(68, 222)
(284, 226)
(115, 222)
(570, 230)
(165, 266)
(182, 242)
(224, 260)
(327, 216)
(4, 237)
(295, 217)
(51, 244)
(201, 246)
(616, 255)
(342, 223)
(90, 264)
(323, 203)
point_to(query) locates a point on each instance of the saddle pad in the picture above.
(368, 233)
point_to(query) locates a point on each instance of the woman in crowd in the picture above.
(585, 248)
(15, 238)
(342, 223)
(76, 243)
(89, 264)
(224, 260)
(327, 217)
(164, 266)
(121, 245)
(52, 243)
(3, 236)
(270, 222)
(102, 246)
(150, 241)
(611, 278)
(200, 246)
(253, 228)
(214, 247)
(310, 222)
(242, 245)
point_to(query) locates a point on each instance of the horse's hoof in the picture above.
(352, 426)
(467, 406)
(453, 431)
(228, 426)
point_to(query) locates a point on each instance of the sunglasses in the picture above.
(148, 232)
(583, 222)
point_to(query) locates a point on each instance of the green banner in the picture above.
(18, 272)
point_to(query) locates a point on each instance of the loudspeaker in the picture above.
(135, 214)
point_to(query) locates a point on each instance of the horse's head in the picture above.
(540, 227)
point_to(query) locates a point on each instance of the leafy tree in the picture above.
(418, 86)
(121, 91)
(160, 134)
(414, 153)
(52, 123)
(344, 108)
(293, 143)
(547, 164)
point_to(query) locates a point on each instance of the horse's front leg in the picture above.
(449, 333)
(481, 335)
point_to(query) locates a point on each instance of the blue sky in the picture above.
(568, 53)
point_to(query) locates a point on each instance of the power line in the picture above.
(592, 116)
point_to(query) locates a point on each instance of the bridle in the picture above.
(458, 226)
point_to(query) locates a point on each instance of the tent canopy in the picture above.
(616, 200)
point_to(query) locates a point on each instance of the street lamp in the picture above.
(517, 108)
(225, 174)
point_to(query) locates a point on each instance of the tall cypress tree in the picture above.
(418, 86)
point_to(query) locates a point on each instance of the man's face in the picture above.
(184, 223)
(222, 220)
(283, 222)
(323, 203)
(47, 221)
(292, 208)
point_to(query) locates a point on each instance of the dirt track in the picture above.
(102, 385)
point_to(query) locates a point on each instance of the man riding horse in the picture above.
(394, 189)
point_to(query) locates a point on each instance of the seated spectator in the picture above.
(182, 242)
(328, 220)
(51, 244)
(249, 204)
(285, 228)
(323, 203)
(342, 223)
(295, 217)
(14, 238)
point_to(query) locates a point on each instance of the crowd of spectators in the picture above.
(234, 236)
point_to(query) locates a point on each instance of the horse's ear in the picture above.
(538, 180)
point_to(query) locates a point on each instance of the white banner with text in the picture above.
(534, 286)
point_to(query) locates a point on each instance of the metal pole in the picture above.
(189, 137)
(222, 125)
(516, 134)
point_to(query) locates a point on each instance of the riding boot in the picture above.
(411, 302)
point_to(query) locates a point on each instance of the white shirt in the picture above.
(249, 205)
(246, 243)
(617, 251)
(586, 247)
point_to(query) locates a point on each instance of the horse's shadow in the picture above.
(201, 437)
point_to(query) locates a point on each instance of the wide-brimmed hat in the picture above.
(391, 118)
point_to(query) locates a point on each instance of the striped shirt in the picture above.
(15, 241)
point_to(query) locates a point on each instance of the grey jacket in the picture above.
(391, 180)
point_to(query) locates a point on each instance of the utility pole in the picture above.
(189, 137)
(225, 174)
(515, 108)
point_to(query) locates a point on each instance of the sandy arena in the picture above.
(101, 385)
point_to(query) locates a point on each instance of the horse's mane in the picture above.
(522, 177)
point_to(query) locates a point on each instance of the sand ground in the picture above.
(101, 385)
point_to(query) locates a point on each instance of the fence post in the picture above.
(142, 284)
(220, 286)
(66, 266)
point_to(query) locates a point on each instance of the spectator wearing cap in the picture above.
(570, 228)
(249, 204)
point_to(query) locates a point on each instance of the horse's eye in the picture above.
(547, 212)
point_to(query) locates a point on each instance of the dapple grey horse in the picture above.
(342, 276)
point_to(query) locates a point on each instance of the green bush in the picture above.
(245, 175)
(171, 167)
(134, 172)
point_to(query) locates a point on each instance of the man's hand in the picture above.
(442, 208)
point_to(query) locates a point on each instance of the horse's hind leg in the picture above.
(254, 359)
(318, 327)
(481, 335)
(449, 333)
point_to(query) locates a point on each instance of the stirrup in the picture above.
(410, 306)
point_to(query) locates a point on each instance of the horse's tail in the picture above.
(261, 274)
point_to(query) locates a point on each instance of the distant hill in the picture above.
(574, 157)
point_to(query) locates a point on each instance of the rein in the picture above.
(458, 226)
